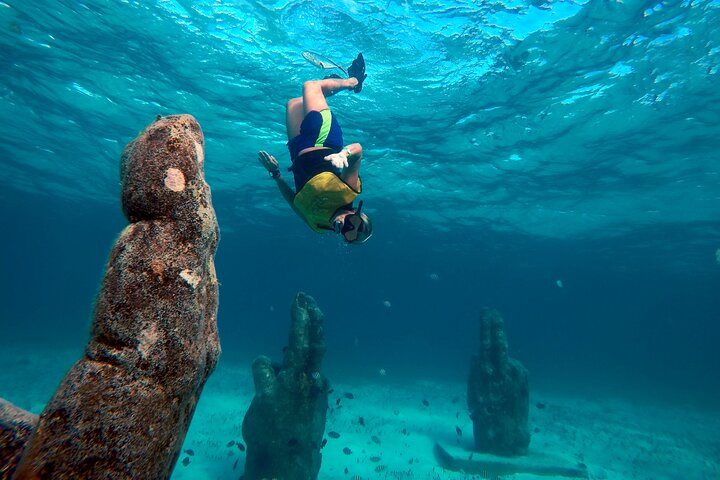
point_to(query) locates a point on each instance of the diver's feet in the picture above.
(357, 70)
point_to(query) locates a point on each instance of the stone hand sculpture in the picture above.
(122, 411)
(498, 394)
(284, 425)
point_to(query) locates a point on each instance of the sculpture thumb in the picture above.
(264, 376)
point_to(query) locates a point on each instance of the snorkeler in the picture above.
(326, 171)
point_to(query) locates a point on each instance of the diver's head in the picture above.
(355, 226)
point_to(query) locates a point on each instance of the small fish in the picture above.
(380, 468)
(330, 391)
(190, 452)
(375, 439)
(457, 414)
(387, 304)
(235, 464)
(240, 446)
(458, 431)
(320, 61)
(375, 459)
(349, 395)
(470, 456)
(186, 461)
(536, 430)
(337, 402)
(333, 435)
(404, 431)
(540, 405)
(425, 402)
(434, 276)
(382, 372)
(361, 421)
(230, 443)
(346, 470)
(324, 442)
(347, 451)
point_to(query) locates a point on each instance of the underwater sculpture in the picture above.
(16, 426)
(498, 393)
(284, 425)
(122, 411)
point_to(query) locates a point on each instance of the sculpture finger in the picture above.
(493, 344)
(316, 336)
(306, 343)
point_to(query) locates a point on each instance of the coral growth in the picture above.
(16, 426)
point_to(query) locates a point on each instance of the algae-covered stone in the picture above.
(16, 426)
(122, 411)
(284, 425)
(498, 393)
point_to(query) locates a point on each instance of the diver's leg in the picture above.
(316, 91)
(294, 115)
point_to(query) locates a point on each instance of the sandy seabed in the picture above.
(388, 428)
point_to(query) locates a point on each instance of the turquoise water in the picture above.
(554, 160)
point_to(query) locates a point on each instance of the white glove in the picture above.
(338, 160)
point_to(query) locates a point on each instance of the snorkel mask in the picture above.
(354, 222)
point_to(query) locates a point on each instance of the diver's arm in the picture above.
(287, 192)
(351, 173)
(271, 165)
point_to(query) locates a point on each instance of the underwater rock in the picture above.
(498, 393)
(16, 426)
(283, 428)
(122, 411)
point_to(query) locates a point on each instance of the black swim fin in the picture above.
(357, 70)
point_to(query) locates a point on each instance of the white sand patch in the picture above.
(148, 337)
(174, 180)
(190, 277)
(616, 439)
(199, 153)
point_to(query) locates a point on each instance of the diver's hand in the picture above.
(268, 161)
(338, 160)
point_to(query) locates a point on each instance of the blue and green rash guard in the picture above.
(318, 129)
